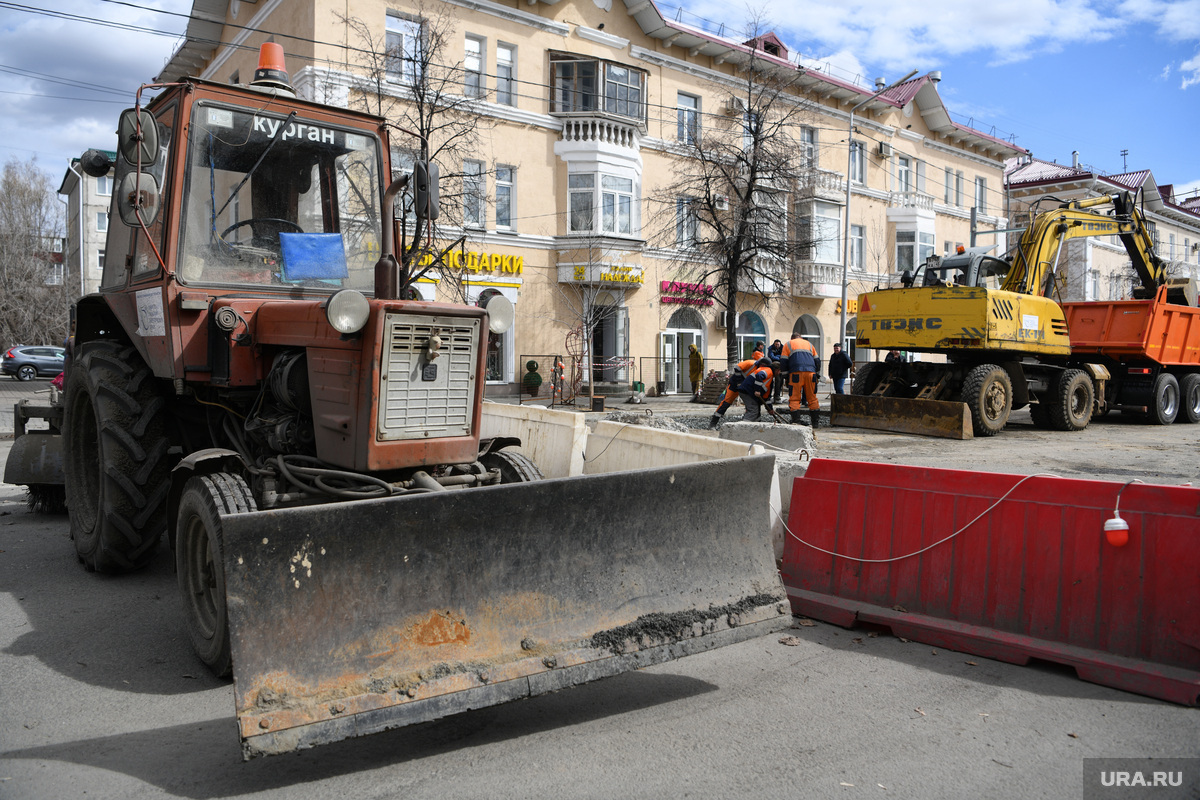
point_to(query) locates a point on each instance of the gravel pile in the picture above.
(650, 421)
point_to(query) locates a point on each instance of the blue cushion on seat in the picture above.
(313, 256)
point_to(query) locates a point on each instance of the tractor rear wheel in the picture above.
(867, 377)
(116, 464)
(199, 564)
(1074, 398)
(987, 391)
(514, 467)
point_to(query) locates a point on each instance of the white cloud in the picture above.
(1191, 72)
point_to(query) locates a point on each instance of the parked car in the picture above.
(27, 362)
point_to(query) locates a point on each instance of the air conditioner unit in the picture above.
(885, 150)
(734, 106)
(721, 202)
(727, 320)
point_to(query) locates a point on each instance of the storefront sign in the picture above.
(612, 273)
(480, 262)
(686, 294)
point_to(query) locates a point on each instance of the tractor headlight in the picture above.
(348, 311)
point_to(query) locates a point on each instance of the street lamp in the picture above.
(846, 227)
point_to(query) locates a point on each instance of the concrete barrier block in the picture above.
(785, 437)
(616, 446)
(552, 439)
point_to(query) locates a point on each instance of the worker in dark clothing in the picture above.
(800, 361)
(755, 391)
(740, 370)
(695, 370)
(839, 366)
(775, 353)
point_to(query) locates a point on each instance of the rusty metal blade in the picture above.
(354, 618)
(941, 418)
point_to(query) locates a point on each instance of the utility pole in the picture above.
(1124, 164)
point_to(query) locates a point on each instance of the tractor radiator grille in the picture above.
(419, 399)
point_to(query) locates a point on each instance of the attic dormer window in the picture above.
(771, 49)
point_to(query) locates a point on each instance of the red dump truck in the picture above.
(1151, 348)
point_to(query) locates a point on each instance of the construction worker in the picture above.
(775, 353)
(800, 361)
(755, 390)
(731, 390)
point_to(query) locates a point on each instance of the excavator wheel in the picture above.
(198, 565)
(1073, 398)
(116, 464)
(514, 467)
(867, 377)
(1166, 400)
(1189, 390)
(987, 391)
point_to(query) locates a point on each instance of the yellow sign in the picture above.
(851, 304)
(480, 262)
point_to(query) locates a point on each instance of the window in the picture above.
(751, 129)
(102, 221)
(958, 188)
(947, 248)
(54, 277)
(981, 195)
(505, 177)
(404, 49)
(924, 247)
(828, 232)
(808, 147)
(474, 192)
(578, 85)
(949, 196)
(858, 162)
(903, 174)
(506, 74)
(858, 240)
(581, 191)
(623, 91)
(104, 186)
(769, 216)
(905, 241)
(1171, 246)
(685, 222)
(688, 112)
(616, 203)
(100, 259)
(473, 83)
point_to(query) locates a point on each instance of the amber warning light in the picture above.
(271, 70)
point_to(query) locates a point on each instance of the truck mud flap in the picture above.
(353, 618)
(941, 418)
(36, 459)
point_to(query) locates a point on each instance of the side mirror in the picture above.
(137, 135)
(425, 186)
(906, 278)
(95, 163)
(138, 192)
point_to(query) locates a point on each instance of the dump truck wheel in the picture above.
(987, 391)
(1189, 391)
(867, 377)
(1166, 400)
(115, 461)
(199, 565)
(514, 467)
(1071, 409)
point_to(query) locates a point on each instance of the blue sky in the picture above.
(1059, 75)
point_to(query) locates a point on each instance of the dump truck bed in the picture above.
(1167, 333)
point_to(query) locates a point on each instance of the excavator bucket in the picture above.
(941, 418)
(353, 618)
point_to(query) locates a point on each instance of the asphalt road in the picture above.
(100, 695)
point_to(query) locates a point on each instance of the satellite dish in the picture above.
(500, 313)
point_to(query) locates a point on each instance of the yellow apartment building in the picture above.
(584, 109)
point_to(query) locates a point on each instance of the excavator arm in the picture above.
(1035, 262)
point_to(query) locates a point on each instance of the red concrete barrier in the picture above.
(1034, 577)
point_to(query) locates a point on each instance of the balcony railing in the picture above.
(821, 183)
(917, 200)
(816, 280)
(598, 130)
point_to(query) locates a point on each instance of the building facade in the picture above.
(585, 107)
(88, 202)
(1098, 268)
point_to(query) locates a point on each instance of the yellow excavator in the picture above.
(1005, 340)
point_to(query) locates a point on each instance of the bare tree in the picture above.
(412, 79)
(725, 213)
(33, 290)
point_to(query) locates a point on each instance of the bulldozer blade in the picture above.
(941, 418)
(353, 618)
(36, 459)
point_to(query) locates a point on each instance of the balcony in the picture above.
(918, 201)
(810, 279)
(822, 184)
(592, 130)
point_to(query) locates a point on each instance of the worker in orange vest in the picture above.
(755, 390)
(800, 361)
(740, 370)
